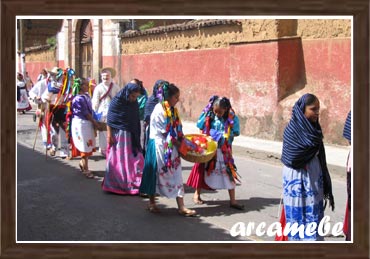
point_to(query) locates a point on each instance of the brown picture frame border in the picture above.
(359, 9)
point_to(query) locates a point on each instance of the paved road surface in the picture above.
(55, 202)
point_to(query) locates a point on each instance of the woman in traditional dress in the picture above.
(149, 107)
(125, 160)
(162, 171)
(219, 121)
(83, 134)
(23, 104)
(306, 179)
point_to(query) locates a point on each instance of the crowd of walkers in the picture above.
(140, 138)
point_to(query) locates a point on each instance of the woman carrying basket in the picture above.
(162, 170)
(219, 121)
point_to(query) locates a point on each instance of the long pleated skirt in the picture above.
(303, 198)
(124, 168)
(148, 182)
(23, 104)
(158, 179)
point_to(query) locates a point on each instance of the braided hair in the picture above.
(223, 103)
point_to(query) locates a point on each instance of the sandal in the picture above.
(88, 174)
(187, 213)
(198, 201)
(237, 206)
(153, 208)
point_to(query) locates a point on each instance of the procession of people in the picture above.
(142, 141)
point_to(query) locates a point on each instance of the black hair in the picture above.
(171, 91)
(223, 103)
(310, 99)
(139, 83)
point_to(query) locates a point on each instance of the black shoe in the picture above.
(34, 117)
(23, 112)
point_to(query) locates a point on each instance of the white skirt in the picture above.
(218, 178)
(83, 135)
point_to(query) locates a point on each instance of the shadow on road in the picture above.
(221, 207)
(55, 202)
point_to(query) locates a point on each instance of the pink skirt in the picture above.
(124, 168)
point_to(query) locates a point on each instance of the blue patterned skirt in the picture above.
(303, 198)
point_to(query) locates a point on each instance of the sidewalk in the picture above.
(335, 155)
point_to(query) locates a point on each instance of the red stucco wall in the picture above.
(328, 73)
(262, 79)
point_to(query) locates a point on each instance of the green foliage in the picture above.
(52, 41)
(146, 26)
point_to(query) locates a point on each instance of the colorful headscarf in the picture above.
(76, 87)
(209, 114)
(301, 142)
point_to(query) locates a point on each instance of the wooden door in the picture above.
(86, 55)
(86, 60)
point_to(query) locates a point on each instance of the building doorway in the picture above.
(86, 53)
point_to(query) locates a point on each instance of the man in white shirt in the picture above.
(102, 96)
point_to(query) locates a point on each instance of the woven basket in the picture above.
(201, 158)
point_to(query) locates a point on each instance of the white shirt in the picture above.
(38, 89)
(103, 105)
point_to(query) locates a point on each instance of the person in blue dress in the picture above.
(306, 179)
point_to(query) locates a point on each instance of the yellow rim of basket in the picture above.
(211, 144)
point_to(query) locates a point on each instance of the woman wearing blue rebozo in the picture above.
(306, 180)
(125, 159)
